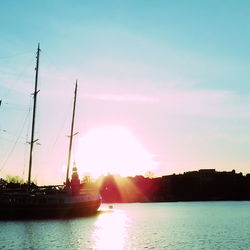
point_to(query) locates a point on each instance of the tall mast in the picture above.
(32, 141)
(71, 135)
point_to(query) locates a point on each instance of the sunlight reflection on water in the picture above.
(111, 230)
(181, 225)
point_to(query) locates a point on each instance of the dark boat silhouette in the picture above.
(55, 201)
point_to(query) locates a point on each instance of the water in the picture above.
(193, 225)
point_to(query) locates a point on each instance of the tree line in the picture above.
(202, 185)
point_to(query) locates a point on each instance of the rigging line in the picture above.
(65, 119)
(18, 77)
(27, 137)
(10, 135)
(16, 55)
(12, 149)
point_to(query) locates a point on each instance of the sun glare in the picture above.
(112, 150)
(111, 230)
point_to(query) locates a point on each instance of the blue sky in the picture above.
(175, 73)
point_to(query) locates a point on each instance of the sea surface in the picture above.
(180, 225)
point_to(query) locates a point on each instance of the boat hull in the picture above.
(49, 211)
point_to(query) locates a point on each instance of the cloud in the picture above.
(122, 98)
(203, 103)
(218, 103)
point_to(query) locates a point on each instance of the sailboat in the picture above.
(55, 201)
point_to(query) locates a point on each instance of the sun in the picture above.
(112, 150)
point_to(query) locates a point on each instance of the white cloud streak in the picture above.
(122, 98)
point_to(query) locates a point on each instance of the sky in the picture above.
(169, 80)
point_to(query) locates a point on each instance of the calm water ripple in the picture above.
(192, 225)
